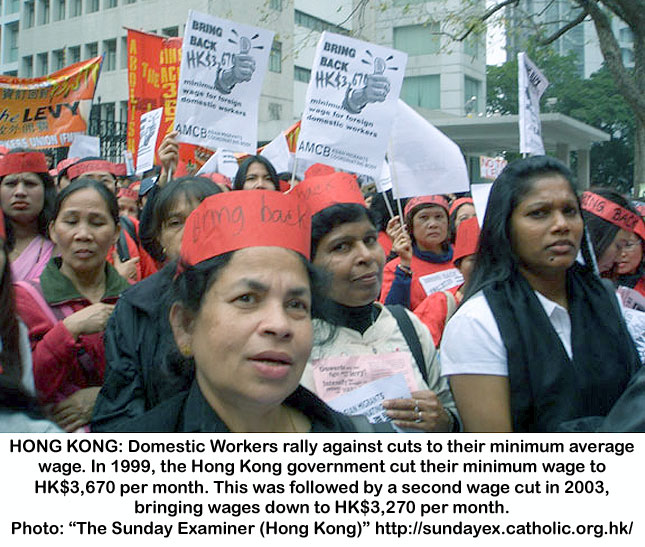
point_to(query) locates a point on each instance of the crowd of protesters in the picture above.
(190, 303)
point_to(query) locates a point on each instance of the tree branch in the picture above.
(487, 15)
(550, 39)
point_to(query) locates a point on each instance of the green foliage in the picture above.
(594, 101)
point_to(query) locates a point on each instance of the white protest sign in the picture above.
(368, 399)
(480, 193)
(531, 85)
(384, 181)
(351, 103)
(277, 152)
(490, 168)
(223, 65)
(440, 281)
(226, 163)
(150, 122)
(84, 146)
(422, 159)
(631, 299)
(129, 162)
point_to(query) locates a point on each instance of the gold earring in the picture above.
(186, 350)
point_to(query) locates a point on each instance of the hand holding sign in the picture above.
(423, 412)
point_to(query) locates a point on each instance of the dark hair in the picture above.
(329, 218)
(193, 189)
(46, 214)
(379, 208)
(9, 333)
(81, 184)
(602, 232)
(452, 218)
(495, 259)
(240, 176)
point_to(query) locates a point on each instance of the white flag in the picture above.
(531, 86)
(277, 152)
(85, 146)
(423, 161)
(384, 181)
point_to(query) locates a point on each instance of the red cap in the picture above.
(91, 166)
(458, 203)
(613, 213)
(3, 231)
(321, 192)
(415, 202)
(246, 218)
(66, 163)
(467, 239)
(319, 169)
(23, 162)
(127, 193)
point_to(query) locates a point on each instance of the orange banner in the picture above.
(50, 111)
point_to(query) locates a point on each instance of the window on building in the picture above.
(12, 42)
(91, 50)
(59, 10)
(275, 59)
(309, 21)
(473, 100)
(123, 54)
(42, 64)
(123, 111)
(43, 12)
(30, 11)
(93, 5)
(275, 111)
(301, 74)
(473, 46)
(275, 4)
(76, 8)
(28, 66)
(108, 4)
(13, 6)
(109, 53)
(74, 54)
(58, 59)
(171, 32)
(418, 39)
(423, 91)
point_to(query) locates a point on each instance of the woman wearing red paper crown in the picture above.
(386, 349)
(67, 310)
(460, 209)
(438, 307)
(424, 250)
(539, 339)
(128, 257)
(127, 199)
(27, 196)
(244, 294)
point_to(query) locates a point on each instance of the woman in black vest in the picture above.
(539, 339)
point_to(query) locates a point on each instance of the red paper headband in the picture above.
(127, 193)
(467, 239)
(321, 192)
(613, 213)
(246, 218)
(458, 203)
(318, 170)
(3, 231)
(425, 200)
(23, 162)
(92, 166)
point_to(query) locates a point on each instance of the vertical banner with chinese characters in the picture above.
(531, 85)
(153, 75)
(351, 104)
(50, 111)
(222, 69)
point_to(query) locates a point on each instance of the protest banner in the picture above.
(350, 104)
(149, 130)
(423, 161)
(222, 69)
(84, 146)
(490, 168)
(531, 85)
(153, 75)
(47, 112)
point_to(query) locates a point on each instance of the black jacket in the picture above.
(138, 344)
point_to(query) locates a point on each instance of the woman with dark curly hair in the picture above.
(27, 195)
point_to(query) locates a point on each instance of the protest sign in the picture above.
(440, 281)
(222, 69)
(153, 75)
(480, 193)
(84, 146)
(150, 122)
(490, 168)
(384, 181)
(531, 84)
(351, 103)
(423, 161)
(50, 111)
(129, 162)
